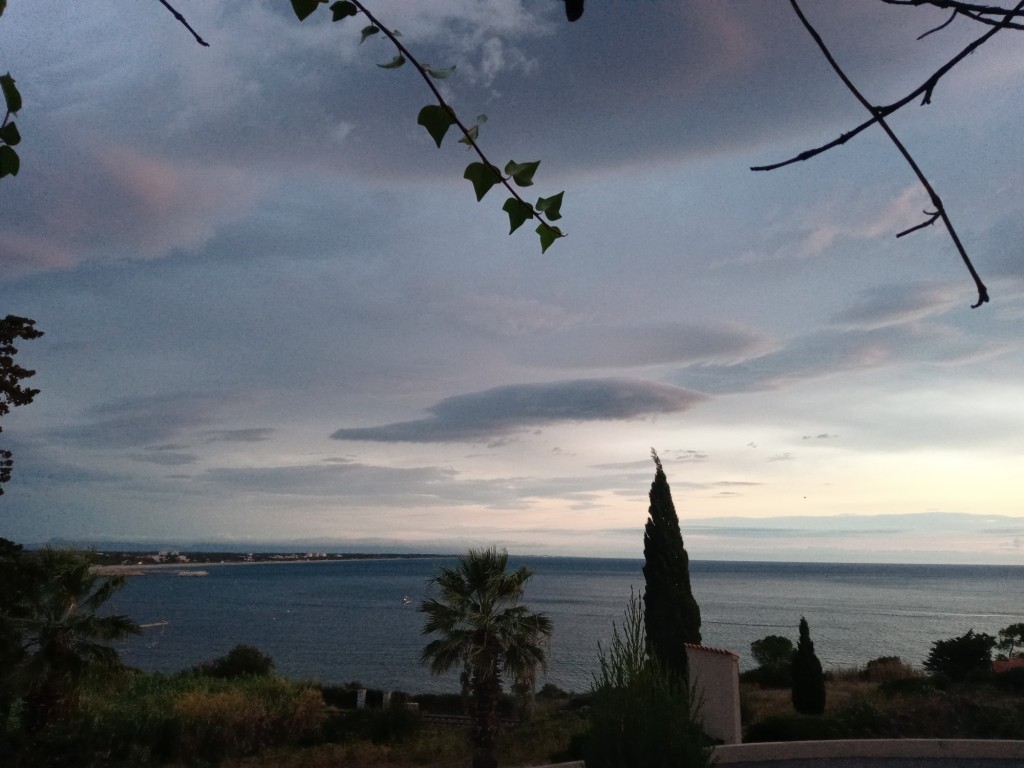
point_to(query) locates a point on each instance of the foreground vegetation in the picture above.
(235, 712)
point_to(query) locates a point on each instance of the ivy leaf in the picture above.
(9, 162)
(521, 173)
(367, 31)
(474, 131)
(11, 95)
(551, 206)
(548, 235)
(303, 8)
(439, 74)
(436, 119)
(343, 9)
(518, 213)
(483, 177)
(9, 134)
(395, 63)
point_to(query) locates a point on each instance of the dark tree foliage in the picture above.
(18, 578)
(241, 661)
(12, 393)
(808, 678)
(772, 651)
(1011, 639)
(671, 615)
(774, 657)
(960, 657)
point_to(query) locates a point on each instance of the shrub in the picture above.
(640, 714)
(241, 661)
(885, 669)
(792, 727)
(961, 657)
(910, 686)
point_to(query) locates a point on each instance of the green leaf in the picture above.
(483, 177)
(473, 131)
(9, 162)
(436, 119)
(521, 173)
(551, 206)
(518, 213)
(395, 63)
(343, 9)
(303, 8)
(367, 31)
(548, 235)
(439, 74)
(11, 95)
(9, 134)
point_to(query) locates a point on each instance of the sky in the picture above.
(275, 312)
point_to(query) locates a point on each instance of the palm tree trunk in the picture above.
(487, 697)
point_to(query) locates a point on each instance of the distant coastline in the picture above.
(141, 563)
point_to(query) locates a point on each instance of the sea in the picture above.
(338, 622)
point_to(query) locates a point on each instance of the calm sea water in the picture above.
(343, 621)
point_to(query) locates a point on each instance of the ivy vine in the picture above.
(437, 118)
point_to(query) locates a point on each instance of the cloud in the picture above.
(782, 457)
(898, 304)
(251, 435)
(504, 411)
(607, 346)
(822, 436)
(144, 421)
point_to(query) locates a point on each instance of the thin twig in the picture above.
(962, 7)
(935, 199)
(181, 18)
(933, 216)
(924, 90)
(458, 123)
(943, 25)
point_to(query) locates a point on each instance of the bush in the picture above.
(885, 669)
(241, 661)
(1010, 680)
(961, 657)
(911, 686)
(640, 715)
(793, 728)
(381, 726)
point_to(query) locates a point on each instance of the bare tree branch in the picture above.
(181, 18)
(924, 90)
(880, 119)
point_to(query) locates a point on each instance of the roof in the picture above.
(708, 649)
(1004, 665)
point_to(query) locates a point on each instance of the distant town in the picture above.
(180, 557)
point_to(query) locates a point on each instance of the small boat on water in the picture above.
(406, 600)
(193, 573)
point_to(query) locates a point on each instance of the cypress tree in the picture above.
(808, 679)
(671, 615)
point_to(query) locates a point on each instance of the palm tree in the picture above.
(483, 630)
(65, 639)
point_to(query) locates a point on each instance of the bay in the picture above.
(343, 621)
